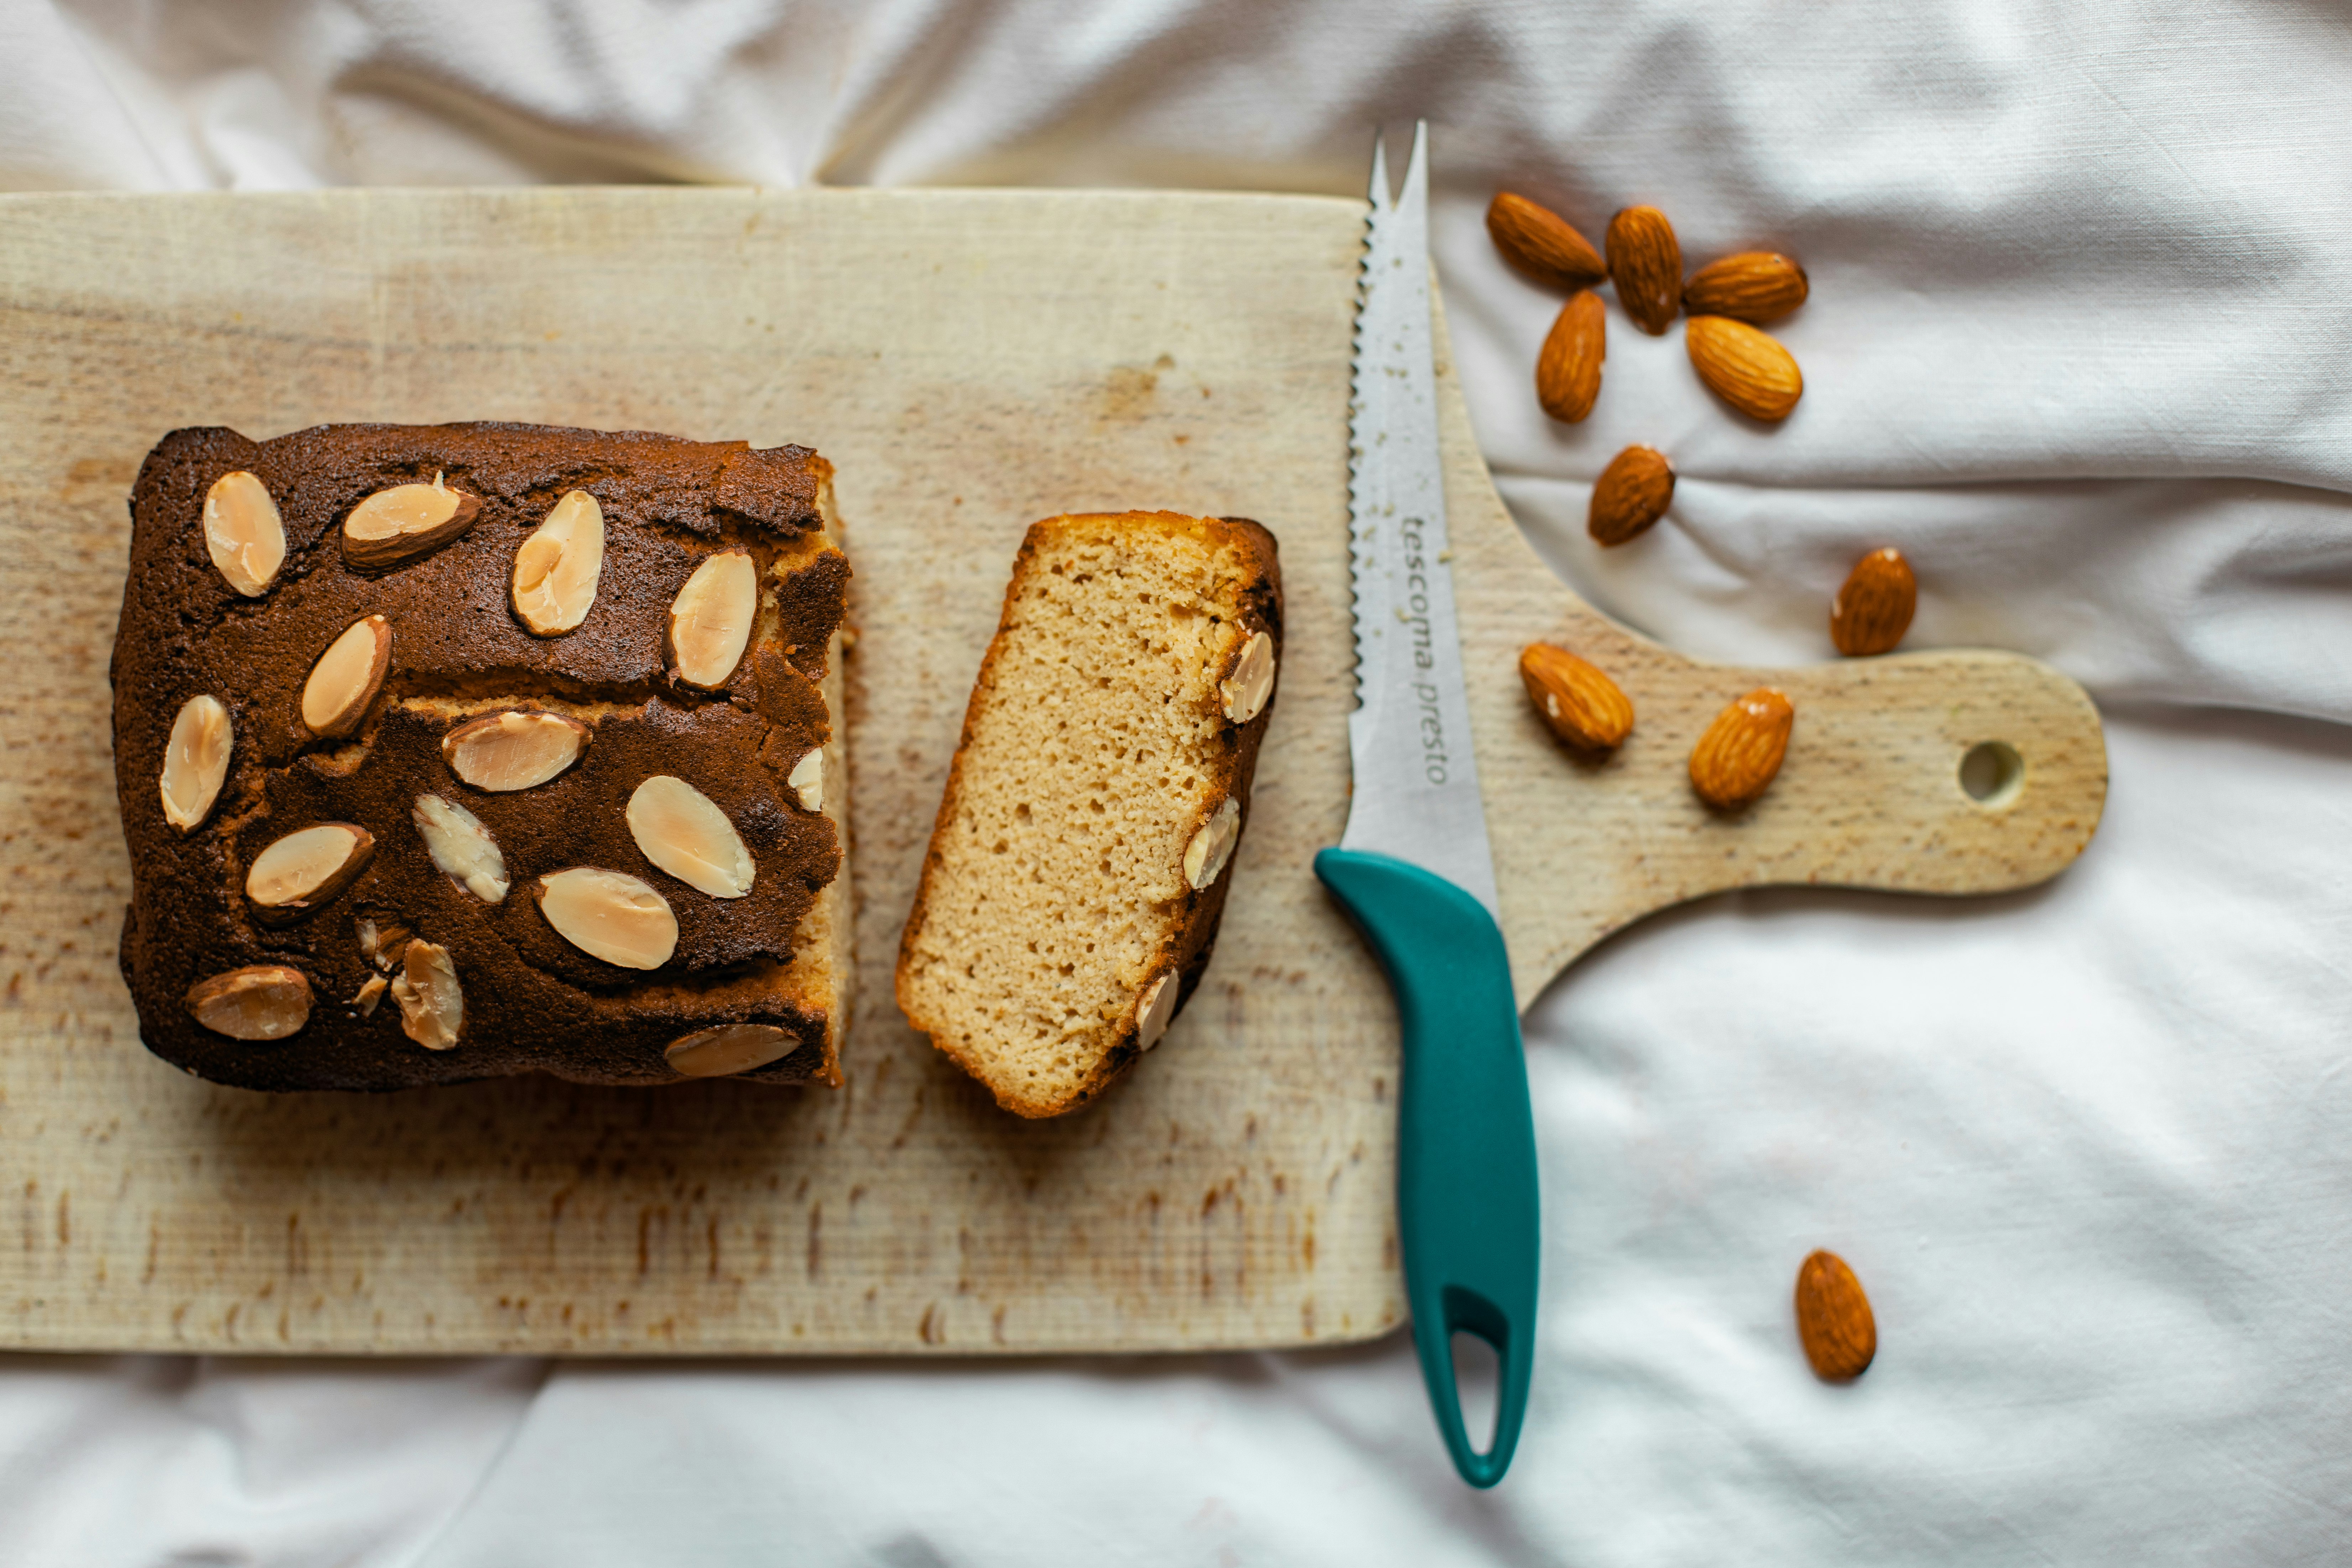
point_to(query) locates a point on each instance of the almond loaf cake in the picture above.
(459, 751)
(1082, 854)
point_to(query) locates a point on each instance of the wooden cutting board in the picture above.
(971, 360)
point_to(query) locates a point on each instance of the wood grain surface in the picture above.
(971, 360)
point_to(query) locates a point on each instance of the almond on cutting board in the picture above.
(1736, 760)
(1575, 697)
(1758, 287)
(1568, 372)
(1874, 609)
(1542, 244)
(1646, 261)
(1834, 1319)
(1631, 494)
(1746, 368)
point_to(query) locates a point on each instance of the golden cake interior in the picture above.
(1095, 749)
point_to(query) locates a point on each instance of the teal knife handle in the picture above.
(1466, 1201)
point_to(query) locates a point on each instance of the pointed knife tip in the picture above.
(1416, 168)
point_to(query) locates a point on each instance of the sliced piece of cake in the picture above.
(1086, 839)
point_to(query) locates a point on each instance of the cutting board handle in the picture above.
(1949, 772)
(1962, 771)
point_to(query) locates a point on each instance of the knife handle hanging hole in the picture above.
(1477, 1387)
(1993, 774)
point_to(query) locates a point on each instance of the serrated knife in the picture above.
(1414, 868)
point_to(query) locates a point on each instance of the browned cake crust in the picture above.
(1049, 890)
(533, 1000)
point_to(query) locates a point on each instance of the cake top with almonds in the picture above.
(548, 706)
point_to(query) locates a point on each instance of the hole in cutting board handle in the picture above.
(1993, 774)
(1477, 1387)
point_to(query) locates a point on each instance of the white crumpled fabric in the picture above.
(2078, 345)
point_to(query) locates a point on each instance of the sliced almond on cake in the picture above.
(244, 533)
(514, 750)
(729, 1048)
(406, 521)
(297, 874)
(683, 831)
(557, 569)
(807, 780)
(195, 763)
(1250, 687)
(1155, 1010)
(347, 677)
(261, 1002)
(710, 619)
(1212, 846)
(461, 847)
(432, 1004)
(609, 915)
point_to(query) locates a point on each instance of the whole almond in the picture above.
(1568, 372)
(1647, 263)
(1735, 760)
(1631, 494)
(1834, 1319)
(1578, 702)
(1746, 368)
(1755, 287)
(1874, 609)
(1542, 244)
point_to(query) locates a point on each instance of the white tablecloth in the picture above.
(2077, 344)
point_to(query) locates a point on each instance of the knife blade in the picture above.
(1416, 795)
(1413, 867)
